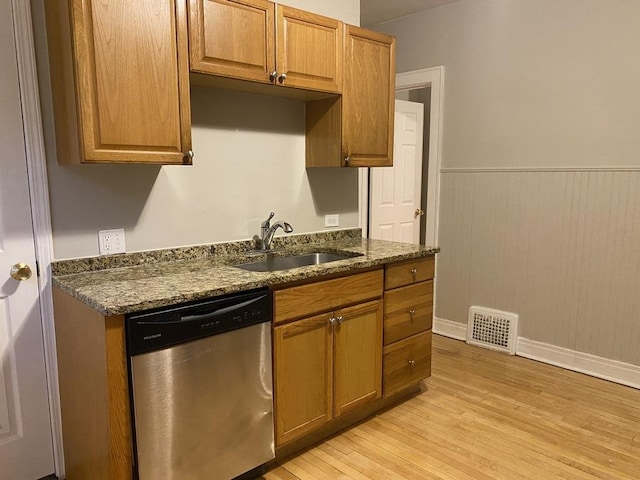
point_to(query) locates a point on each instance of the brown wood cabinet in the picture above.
(120, 81)
(328, 364)
(260, 41)
(94, 391)
(408, 318)
(356, 129)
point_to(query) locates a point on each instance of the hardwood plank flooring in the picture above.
(484, 416)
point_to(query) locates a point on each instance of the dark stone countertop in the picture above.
(133, 282)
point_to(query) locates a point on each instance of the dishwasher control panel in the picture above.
(161, 328)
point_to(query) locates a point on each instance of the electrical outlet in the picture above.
(111, 241)
(332, 220)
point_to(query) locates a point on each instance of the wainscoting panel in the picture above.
(561, 248)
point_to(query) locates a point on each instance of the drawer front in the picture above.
(406, 362)
(412, 271)
(407, 311)
(327, 295)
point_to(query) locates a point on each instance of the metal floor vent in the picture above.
(492, 329)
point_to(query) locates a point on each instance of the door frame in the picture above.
(40, 209)
(427, 77)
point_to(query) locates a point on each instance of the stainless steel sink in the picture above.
(272, 263)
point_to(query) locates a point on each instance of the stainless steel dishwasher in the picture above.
(201, 388)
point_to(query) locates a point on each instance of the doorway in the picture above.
(425, 86)
(396, 212)
(26, 442)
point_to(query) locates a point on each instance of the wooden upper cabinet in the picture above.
(356, 129)
(368, 99)
(120, 81)
(232, 38)
(260, 41)
(309, 50)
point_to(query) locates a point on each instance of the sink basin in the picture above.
(272, 264)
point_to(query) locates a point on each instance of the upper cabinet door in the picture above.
(120, 80)
(233, 38)
(368, 98)
(309, 50)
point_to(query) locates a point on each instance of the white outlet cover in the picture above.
(332, 220)
(111, 241)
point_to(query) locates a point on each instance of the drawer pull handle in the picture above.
(412, 363)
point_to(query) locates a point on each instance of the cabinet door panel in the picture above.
(369, 90)
(309, 50)
(358, 356)
(232, 38)
(302, 376)
(132, 80)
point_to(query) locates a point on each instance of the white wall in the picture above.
(541, 164)
(249, 160)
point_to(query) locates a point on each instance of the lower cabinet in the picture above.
(349, 344)
(406, 362)
(327, 364)
(408, 317)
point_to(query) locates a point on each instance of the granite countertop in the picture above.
(127, 283)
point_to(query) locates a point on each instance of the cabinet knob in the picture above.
(347, 160)
(414, 272)
(190, 154)
(340, 319)
(332, 321)
(272, 76)
(282, 77)
(412, 363)
(412, 312)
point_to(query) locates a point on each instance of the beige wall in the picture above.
(249, 160)
(540, 209)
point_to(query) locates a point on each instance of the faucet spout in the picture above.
(267, 231)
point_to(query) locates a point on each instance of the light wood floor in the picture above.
(488, 416)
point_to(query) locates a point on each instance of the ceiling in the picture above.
(376, 11)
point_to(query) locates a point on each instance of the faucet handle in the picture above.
(266, 223)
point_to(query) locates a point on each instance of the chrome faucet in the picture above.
(267, 231)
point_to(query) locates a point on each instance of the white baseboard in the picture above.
(450, 329)
(612, 370)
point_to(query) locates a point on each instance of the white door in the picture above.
(26, 448)
(395, 191)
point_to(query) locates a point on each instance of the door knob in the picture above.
(20, 271)
(419, 212)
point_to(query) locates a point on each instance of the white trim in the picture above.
(540, 169)
(40, 211)
(433, 77)
(599, 367)
(363, 200)
(612, 370)
(450, 329)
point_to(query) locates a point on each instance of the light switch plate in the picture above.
(332, 220)
(111, 241)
